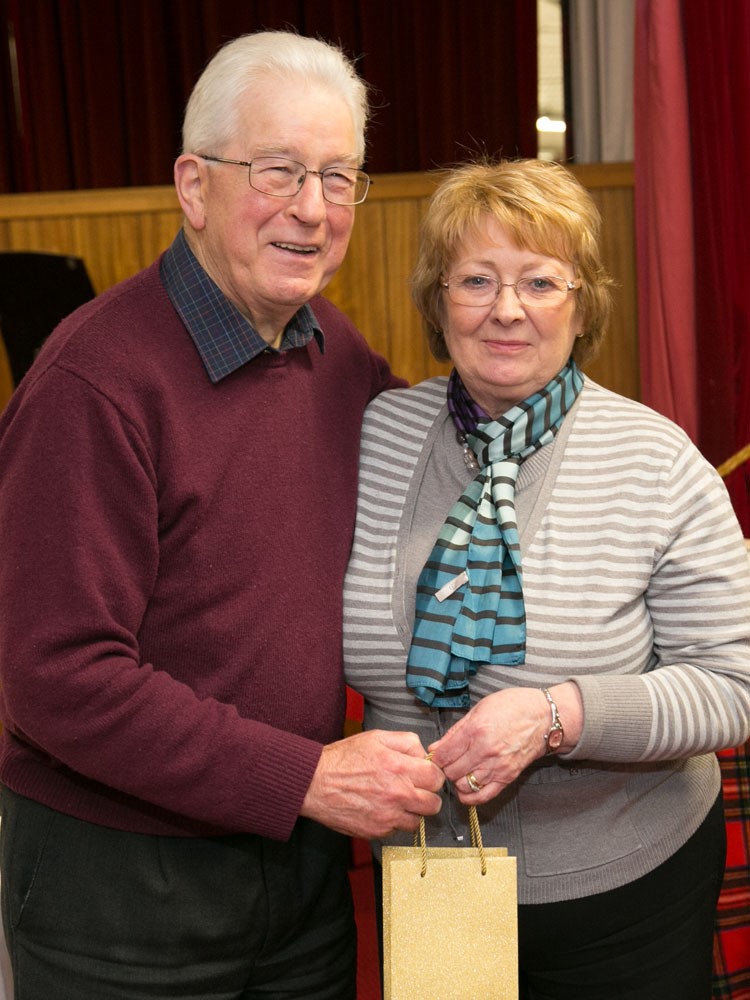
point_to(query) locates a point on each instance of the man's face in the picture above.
(270, 255)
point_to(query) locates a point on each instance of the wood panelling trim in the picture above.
(385, 187)
(604, 175)
(104, 201)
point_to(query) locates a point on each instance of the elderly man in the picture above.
(178, 490)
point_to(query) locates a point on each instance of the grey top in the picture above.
(637, 587)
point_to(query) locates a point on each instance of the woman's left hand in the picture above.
(500, 736)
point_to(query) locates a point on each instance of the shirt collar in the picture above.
(223, 337)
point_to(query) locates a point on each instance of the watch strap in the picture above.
(555, 734)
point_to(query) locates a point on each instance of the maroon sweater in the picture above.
(172, 562)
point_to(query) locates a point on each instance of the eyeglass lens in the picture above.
(482, 290)
(283, 178)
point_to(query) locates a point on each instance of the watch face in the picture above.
(554, 739)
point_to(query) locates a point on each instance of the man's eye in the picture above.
(337, 180)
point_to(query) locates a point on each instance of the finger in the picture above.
(407, 743)
(425, 775)
(456, 769)
(450, 747)
(400, 765)
(473, 784)
(428, 804)
(420, 769)
(470, 798)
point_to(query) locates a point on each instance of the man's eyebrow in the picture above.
(349, 159)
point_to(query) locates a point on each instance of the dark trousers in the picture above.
(651, 939)
(92, 913)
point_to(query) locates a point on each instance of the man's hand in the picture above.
(372, 784)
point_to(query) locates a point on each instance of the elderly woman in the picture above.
(549, 586)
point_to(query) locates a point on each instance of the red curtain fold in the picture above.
(717, 43)
(664, 230)
(104, 82)
(692, 88)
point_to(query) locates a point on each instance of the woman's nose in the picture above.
(507, 306)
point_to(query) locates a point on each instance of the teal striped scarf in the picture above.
(469, 604)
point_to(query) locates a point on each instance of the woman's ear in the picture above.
(191, 184)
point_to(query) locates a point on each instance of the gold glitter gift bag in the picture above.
(450, 924)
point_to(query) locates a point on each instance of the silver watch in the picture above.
(555, 734)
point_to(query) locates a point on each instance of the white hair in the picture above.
(212, 111)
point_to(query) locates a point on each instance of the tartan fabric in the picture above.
(469, 600)
(732, 931)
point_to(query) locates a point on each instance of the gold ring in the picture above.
(473, 783)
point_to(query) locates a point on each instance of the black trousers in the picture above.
(92, 913)
(651, 939)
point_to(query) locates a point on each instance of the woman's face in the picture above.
(506, 351)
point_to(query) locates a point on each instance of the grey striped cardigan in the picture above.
(637, 587)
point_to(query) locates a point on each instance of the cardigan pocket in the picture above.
(575, 819)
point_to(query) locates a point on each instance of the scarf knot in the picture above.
(469, 602)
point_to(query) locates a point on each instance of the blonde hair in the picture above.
(545, 210)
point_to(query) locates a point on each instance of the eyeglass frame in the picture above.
(570, 286)
(317, 173)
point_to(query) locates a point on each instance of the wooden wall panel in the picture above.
(616, 366)
(118, 232)
(360, 288)
(373, 284)
(379, 271)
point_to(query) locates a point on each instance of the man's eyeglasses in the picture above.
(482, 290)
(283, 178)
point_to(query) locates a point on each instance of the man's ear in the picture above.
(191, 184)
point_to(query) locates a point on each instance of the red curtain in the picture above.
(692, 111)
(103, 83)
(692, 145)
(717, 47)
(664, 222)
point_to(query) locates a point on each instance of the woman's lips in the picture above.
(505, 346)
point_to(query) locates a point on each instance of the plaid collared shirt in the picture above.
(223, 337)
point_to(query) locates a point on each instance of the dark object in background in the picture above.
(37, 290)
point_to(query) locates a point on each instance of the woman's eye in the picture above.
(540, 284)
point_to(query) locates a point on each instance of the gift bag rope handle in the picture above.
(476, 837)
(420, 840)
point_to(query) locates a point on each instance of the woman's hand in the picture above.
(501, 735)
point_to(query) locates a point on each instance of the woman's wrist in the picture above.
(553, 738)
(565, 718)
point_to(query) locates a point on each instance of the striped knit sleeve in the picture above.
(694, 696)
